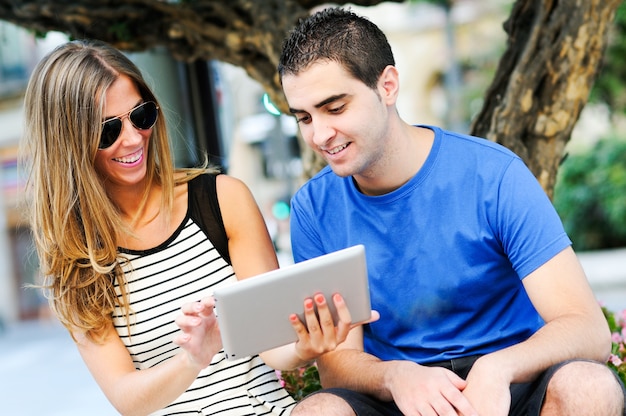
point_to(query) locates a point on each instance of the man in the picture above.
(484, 307)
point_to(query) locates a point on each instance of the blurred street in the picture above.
(606, 271)
(41, 372)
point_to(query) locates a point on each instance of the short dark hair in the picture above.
(338, 35)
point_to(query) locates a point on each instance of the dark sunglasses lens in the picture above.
(144, 116)
(111, 130)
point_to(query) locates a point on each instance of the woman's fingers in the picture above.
(192, 308)
(320, 324)
(375, 316)
(181, 339)
(208, 304)
(188, 322)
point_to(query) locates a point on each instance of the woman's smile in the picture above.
(130, 159)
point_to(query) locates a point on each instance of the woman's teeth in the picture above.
(129, 159)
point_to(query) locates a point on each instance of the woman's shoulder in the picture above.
(219, 189)
(230, 186)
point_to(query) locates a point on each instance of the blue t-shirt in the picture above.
(446, 252)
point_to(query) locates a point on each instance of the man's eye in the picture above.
(336, 109)
(303, 119)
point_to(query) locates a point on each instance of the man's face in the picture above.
(339, 117)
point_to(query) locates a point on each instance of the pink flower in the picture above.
(616, 337)
(615, 360)
(279, 374)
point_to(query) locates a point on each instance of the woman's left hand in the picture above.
(321, 334)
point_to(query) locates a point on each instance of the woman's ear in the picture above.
(389, 84)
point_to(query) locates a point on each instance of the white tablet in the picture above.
(253, 314)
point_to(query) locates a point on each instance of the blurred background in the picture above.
(446, 59)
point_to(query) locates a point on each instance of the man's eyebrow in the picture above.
(321, 103)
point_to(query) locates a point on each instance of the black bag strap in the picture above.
(204, 207)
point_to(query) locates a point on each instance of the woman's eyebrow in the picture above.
(132, 108)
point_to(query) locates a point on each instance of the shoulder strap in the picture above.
(204, 207)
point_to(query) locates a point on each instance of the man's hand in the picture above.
(427, 391)
(488, 389)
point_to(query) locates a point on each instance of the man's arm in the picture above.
(416, 389)
(575, 325)
(575, 328)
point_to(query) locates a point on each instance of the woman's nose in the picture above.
(129, 131)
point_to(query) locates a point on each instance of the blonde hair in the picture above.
(74, 222)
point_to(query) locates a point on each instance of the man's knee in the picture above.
(584, 384)
(323, 404)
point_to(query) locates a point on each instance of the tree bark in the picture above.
(554, 53)
(245, 33)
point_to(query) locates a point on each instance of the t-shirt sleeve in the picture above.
(530, 229)
(306, 242)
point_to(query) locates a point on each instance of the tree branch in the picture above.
(543, 81)
(244, 33)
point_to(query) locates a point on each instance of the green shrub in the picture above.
(590, 196)
(617, 325)
(301, 381)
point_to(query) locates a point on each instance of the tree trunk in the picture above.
(554, 52)
(553, 56)
(245, 33)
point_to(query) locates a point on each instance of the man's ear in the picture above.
(389, 84)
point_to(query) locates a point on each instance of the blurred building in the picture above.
(18, 55)
(193, 100)
(216, 108)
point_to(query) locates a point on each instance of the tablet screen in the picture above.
(253, 313)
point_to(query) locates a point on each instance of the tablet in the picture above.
(253, 314)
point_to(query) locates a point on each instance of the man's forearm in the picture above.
(355, 370)
(565, 338)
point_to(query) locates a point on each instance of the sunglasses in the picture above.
(141, 117)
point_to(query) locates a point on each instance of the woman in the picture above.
(126, 241)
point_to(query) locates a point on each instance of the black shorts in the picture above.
(526, 398)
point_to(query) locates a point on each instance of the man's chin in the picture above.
(340, 171)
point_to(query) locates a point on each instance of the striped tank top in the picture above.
(186, 268)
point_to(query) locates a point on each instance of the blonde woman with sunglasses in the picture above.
(124, 243)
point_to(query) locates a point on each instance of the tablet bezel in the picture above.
(253, 314)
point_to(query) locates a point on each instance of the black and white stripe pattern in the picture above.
(186, 268)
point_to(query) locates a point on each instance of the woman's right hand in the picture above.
(200, 337)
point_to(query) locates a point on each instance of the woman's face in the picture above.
(124, 162)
